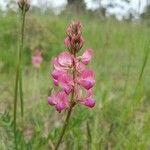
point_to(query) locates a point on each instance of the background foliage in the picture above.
(121, 117)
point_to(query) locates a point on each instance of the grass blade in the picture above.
(142, 68)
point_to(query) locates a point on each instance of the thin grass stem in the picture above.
(142, 68)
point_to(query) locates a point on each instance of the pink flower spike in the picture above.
(65, 59)
(86, 57)
(70, 73)
(87, 79)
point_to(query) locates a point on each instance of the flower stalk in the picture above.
(64, 127)
(23, 4)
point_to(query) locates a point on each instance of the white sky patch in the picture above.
(118, 11)
(53, 3)
(59, 4)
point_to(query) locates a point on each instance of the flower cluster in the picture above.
(37, 59)
(71, 73)
(24, 4)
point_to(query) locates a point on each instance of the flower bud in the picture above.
(74, 40)
(24, 4)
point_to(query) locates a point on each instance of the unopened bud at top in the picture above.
(24, 4)
(74, 29)
(74, 40)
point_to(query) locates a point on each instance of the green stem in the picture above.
(64, 128)
(18, 81)
(15, 104)
(20, 58)
(142, 68)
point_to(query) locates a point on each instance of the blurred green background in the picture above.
(121, 117)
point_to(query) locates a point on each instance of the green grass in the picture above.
(120, 120)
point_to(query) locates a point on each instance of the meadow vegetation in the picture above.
(121, 117)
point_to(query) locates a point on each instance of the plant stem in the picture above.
(15, 104)
(72, 104)
(64, 128)
(18, 81)
(20, 58)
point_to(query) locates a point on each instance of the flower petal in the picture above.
(52, 100)
(55, 82)
(57, 66)
(80, 66)
(66, 82)
(87, 79)
(87, 55)
(90, 102)
(81, 41)
(57, 73)
(62, 102)
(65, 59)
(67, 42)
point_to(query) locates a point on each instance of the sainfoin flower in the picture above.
(70, 73)
(37, 59)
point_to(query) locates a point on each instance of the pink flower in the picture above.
(59, 100)
(66, 82)
(63, 62)
(80, 66)
(85, 100)
(86, 57)
(87, 79)
(56, 65)
(65, 59)
(37, 59)
(52, 100)
(56, 74)
(63, 79)
(88, 101)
